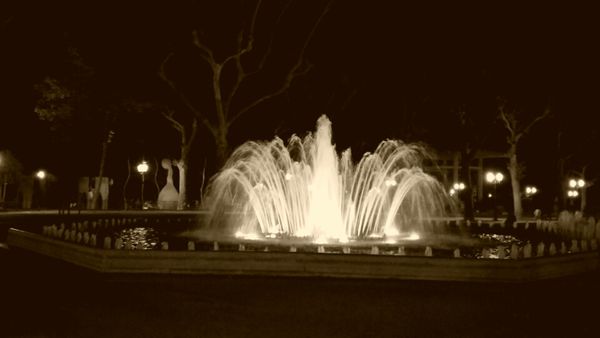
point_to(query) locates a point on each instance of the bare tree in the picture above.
(219, 119)
(517, 128)
(185, 145)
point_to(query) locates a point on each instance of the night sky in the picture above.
(381, 70)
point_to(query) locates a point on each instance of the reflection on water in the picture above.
(139, 238)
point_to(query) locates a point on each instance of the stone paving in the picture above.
(41, 297)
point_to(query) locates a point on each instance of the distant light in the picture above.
(452, 192)
(288, 176)
(528, 190)
(143, 167)
(458, 186)
(490, 195)
(390, 182)
(580, 183)
(572, 193)
(489, 177)
(41, 174)
(533, 190)
(499, 177)
(572, 183)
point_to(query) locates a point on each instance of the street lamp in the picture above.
(530, 191)
(41, 175)
(495, 178)
(142, 168)
(456, 188)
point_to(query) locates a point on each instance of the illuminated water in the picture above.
(304, 189)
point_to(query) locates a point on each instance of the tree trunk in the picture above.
(222, 146)
(182, 165)
(98, 181)
(513, 169)
(467, 193)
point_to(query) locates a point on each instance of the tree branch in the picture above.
(207, 53)
(301, 67)
(163, 75)
(176, 124)
(536, 120)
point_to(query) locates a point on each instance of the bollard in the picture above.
(53, 230)
(401, 251)
(374, 250)
(552, 249)
(191, 246)
(86, 238)
(79, 237)
(485, 253)
(456, 253)
(574, 246)
(501, 252)
(346, 249)
(584, 245)
(67, 235)
(563, 248)
(321, 249)
(241, 247)
(514, 251)
(93, 240)
(107, 242)
(215, 246)
(428, 251)
(118, 243)
(293, 249)
(540, 249)
(527, 250)
(164, 245)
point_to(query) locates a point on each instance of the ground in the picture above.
(42, 297)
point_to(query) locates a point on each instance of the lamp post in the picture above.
(495, 178)
(142, 168)
(576, 185)
(41, 175)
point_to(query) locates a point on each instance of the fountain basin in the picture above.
(305, 264)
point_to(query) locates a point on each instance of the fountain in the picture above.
(305, 191)
(300, 209)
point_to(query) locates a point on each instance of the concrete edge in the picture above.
(305, 264)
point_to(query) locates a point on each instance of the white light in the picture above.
(490, 177)
(452, 192)
(528, 190)
(391, 231)
(580, 183)
(413, 236)
(575, 193)
(572, 183)
(533, 190)
(499, 177)
(288, 176)
(390, 182)
(321, 240)
(461, 186)
(455, 186)
(490, 195)
(41, 174)
(142, 168)
(343, 240)
(239, 234)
